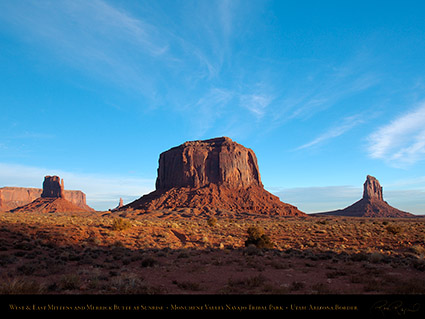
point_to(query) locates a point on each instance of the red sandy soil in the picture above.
(98, 253)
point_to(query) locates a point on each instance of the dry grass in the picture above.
(60, 253)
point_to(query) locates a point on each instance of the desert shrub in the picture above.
(187, 285)
(212, 221)
(20, 286)
(371, 284)
(257, 238)
(70, 282)
(376, 257)
(393, 229)
(27, 269)
(149, 262)
(130, 284)
(296, 285)
(359, 257)
(419, 264)
(412, 286)
(321, 288)
(7, 259)
(418, 249)
(249, 282)
(252, 250)
(336, 274)
(119, 224)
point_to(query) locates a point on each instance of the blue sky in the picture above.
(324, 92)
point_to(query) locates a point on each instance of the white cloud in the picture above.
(401, 142)
(347, 124)
(102, 191)
(256, 103)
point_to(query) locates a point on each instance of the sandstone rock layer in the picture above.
(53, 187)
(13, 197)
(51, 199)
(217, 161)
(210, 176)
(371, 205)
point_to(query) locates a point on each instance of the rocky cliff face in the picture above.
(371, 205)
(218, 161)
(372, 190)
(13, 197)
(209, 176)
(51, 200)
(53, 187)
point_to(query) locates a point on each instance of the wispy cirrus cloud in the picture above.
(94, 37)
(347, 124)
(402, 141)
(321, 85)
(256, 103)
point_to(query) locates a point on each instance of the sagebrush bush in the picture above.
(393, 229)
(257, 238)
(212, 221)
(119, 224)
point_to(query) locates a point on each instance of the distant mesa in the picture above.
(52, 199)
(209, 177)
(371, 205)
(13, 197)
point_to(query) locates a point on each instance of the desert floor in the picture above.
(98, 253)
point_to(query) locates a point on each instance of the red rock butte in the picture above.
(371, 205)
(13, 197)
(52, 199)
(210, 177)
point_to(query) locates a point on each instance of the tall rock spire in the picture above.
(372, 190)
(371, 205)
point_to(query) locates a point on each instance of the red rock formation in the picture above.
(120, 204)
(208, 176)
(372, 189)
(53, 187)
(217, 161)
(13, 197)
(49, 205)
(371, 205)
(51, 199)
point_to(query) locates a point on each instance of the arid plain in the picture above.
(98, 253)
(210, 227)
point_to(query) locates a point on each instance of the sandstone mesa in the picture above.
(211, 177)
(52, 199)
